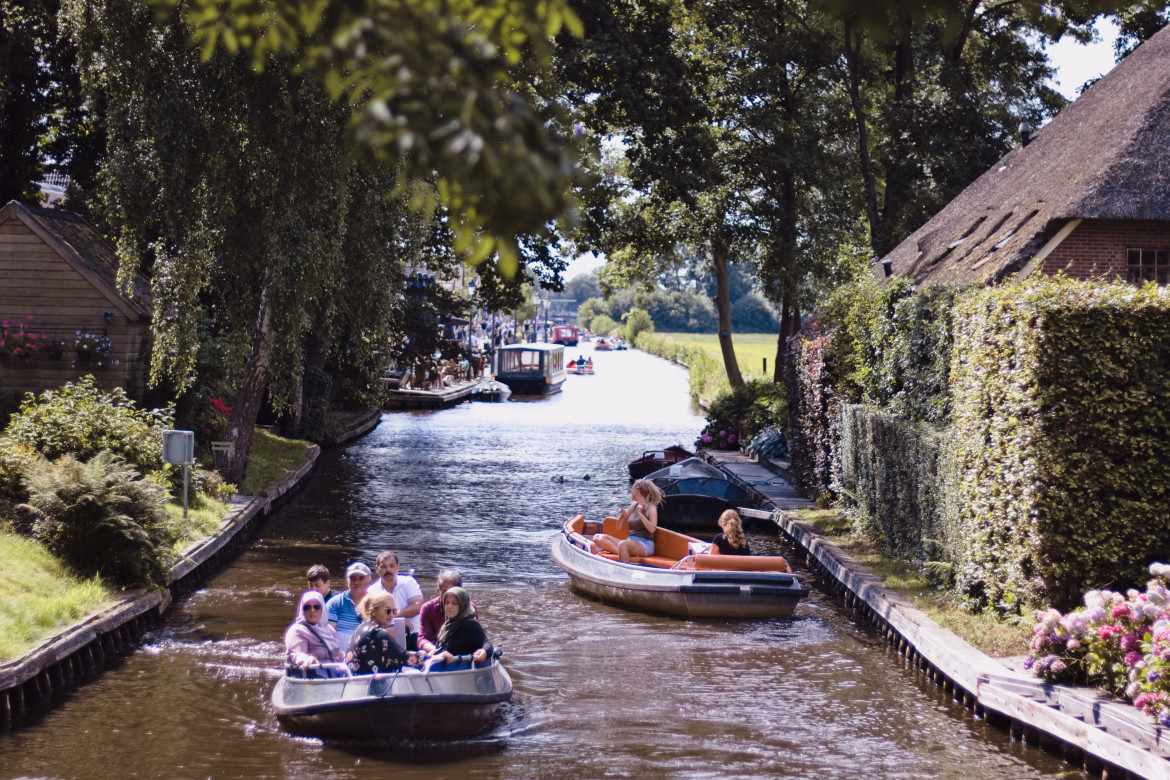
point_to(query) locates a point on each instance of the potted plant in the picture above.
(92, 348)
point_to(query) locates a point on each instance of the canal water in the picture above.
(599, 692)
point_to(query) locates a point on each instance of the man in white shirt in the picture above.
(408, 596)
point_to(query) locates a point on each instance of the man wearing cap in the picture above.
(408, 596)
(342, 608)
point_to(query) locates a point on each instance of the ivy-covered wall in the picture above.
(1062, 437)
(1017, 437)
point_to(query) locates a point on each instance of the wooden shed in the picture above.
(58, 279)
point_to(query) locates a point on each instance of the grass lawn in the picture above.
(994, 636)
(750, 349)
(40, 595)
(203, 517)
(269, 459)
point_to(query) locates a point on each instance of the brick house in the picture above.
(58, 276)
(1089, 196)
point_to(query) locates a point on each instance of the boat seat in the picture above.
(610, 526)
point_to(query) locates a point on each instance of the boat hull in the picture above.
(532, 386)
(679, 593)
(393, 707)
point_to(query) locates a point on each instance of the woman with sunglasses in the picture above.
(372, 648)
(311, 640)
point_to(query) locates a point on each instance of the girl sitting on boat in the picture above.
(310, 640)
(732, 541)
(641, 517)
(461, 633)
(372, 648)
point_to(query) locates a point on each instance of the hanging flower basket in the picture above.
(18, 341)
(92, 348)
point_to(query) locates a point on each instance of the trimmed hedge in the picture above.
(1062, 438)
(894, 473)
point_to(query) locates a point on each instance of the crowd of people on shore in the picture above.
(383, 624)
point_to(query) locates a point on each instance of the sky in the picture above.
(1075, 64)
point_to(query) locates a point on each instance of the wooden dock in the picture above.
(409, 398)
(1098, 733)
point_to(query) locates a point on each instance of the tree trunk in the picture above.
(722, 301)
(315, 355)
(853, 43)
(789, 325)
(248, 399)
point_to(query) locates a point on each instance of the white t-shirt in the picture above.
(404, 590)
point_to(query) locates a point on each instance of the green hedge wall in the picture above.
(1061, 424)
(894, 473)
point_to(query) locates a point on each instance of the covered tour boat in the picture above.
(653, 460)
(460, 700)
(532, 368)
(695, 493)
(680, 579)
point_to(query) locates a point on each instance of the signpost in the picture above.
(179, 448)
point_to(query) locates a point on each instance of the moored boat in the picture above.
(680, 579)
(491, 390)
(695, 493)
(532, 368)
(653, 460)
(460, 700)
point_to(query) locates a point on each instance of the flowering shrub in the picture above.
(716, 437)
(216, 415)
(1118, 641)
(18, 341)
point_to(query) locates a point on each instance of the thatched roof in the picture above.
(1105, 156)
(80, 245)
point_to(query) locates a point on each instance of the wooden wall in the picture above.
(35, 280)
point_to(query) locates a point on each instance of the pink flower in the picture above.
(29, 317)
(1122, 611)
(731, 439)
(722, 433)
(1132, 657)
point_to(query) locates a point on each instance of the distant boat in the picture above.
(566, 335)
(532, 368)
(580, 366)
(680, 579)
(695, 494)
(653, 460)
(603, 345)
(491, 390)
(460, 700)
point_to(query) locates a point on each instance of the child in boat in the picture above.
(732, 541)
(372, 648)
(310, 640)
(641, 517)
(461, 632)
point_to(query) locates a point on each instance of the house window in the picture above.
(1148, 265)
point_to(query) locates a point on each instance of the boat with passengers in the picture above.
(456, 700)
(532, 368)
(682, 578)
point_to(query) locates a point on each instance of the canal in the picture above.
(599, 692)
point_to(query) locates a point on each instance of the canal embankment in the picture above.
(1090, 730)
(30, 684)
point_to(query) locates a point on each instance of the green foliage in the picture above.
(603, 325)
(893, 475)
(637, 321)
(14, 458)
(705, 375)
(747, 410)
(102, 517)
(751, 314)
(82, 420)
(272, 458)
(587, 311)
(814, 410)
(1062, 436)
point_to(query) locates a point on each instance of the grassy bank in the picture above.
(701, 354)
(989, 633)
(270, 458)
(40, 596)
(751, 349)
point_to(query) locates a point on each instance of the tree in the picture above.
(583, 287)
(233, 190)
(27, 30)
(452, 92)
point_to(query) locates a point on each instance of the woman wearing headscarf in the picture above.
(372, 648)
(310, 640)
(461, 633)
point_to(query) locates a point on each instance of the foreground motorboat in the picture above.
(680, 579)
(460, 700)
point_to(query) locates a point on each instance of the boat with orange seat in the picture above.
(680, 579)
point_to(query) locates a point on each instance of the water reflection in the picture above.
(600, 692)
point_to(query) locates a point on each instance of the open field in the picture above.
(750, 349)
